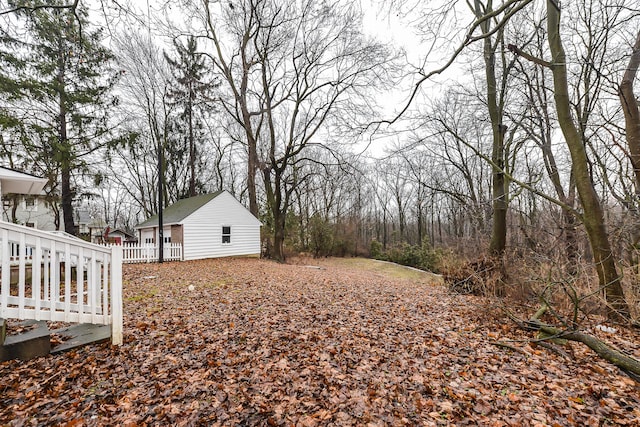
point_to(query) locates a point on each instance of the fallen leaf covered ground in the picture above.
(333, 344)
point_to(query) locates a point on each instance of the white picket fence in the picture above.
(47, 276)
(136, 253)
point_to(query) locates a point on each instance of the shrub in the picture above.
(418, 256)
(375, 250)
(320, 236)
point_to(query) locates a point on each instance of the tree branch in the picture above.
(515, 49)
(31, 9)
(469, 39)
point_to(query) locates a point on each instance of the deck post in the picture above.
(5, 274)
(116, 295)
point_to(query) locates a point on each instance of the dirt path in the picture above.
(329, 342)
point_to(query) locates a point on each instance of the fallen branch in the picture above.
(629, 364)
(542, 310)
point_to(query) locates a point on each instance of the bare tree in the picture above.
(593, 216)
(145, 87)
(539, 124)
(495, 105)
(631, 111)
(294, 70)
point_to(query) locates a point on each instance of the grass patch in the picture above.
(141, 297)
(217, 284)
(388, 269)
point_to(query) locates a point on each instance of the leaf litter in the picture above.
(253, 342)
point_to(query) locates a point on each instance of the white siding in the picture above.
(38, 214)
(203, 230)
(166, 232)
(145, 234)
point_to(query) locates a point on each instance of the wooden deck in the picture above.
(28, 345)
(59, 278)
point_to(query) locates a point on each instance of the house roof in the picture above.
(17, 182)
(121, 231)
(181, 209)
(82, 216)
(97, 223)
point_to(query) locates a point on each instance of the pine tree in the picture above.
(56, 85)
(193, 88)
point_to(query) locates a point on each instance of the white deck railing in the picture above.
(45, 276)
(135, 252)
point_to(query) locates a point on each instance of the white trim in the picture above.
(223, 234)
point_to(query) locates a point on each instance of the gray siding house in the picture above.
(22, 195)
(30, 210)
(208, 226)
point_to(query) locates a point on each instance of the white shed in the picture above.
(208, 226)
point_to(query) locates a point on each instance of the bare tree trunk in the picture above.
(500, 203)
(240, 93)
(420, 221)
(278, 236)
(274, 204)
(252, 167)
(384, 229)
(593, 217)
(569, 219)
(499, 230)
(632, 112)
(192, 153)
(67, 200)
(15, 199)
(401, 216)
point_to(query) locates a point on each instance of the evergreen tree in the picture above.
(192, 90)
(55, 84)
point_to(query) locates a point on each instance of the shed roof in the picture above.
(120, 231)
(175, 213)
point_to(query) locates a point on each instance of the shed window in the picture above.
(226, 234)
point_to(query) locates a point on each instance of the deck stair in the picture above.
(39, 340)
(80, 335)
(27, 345)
